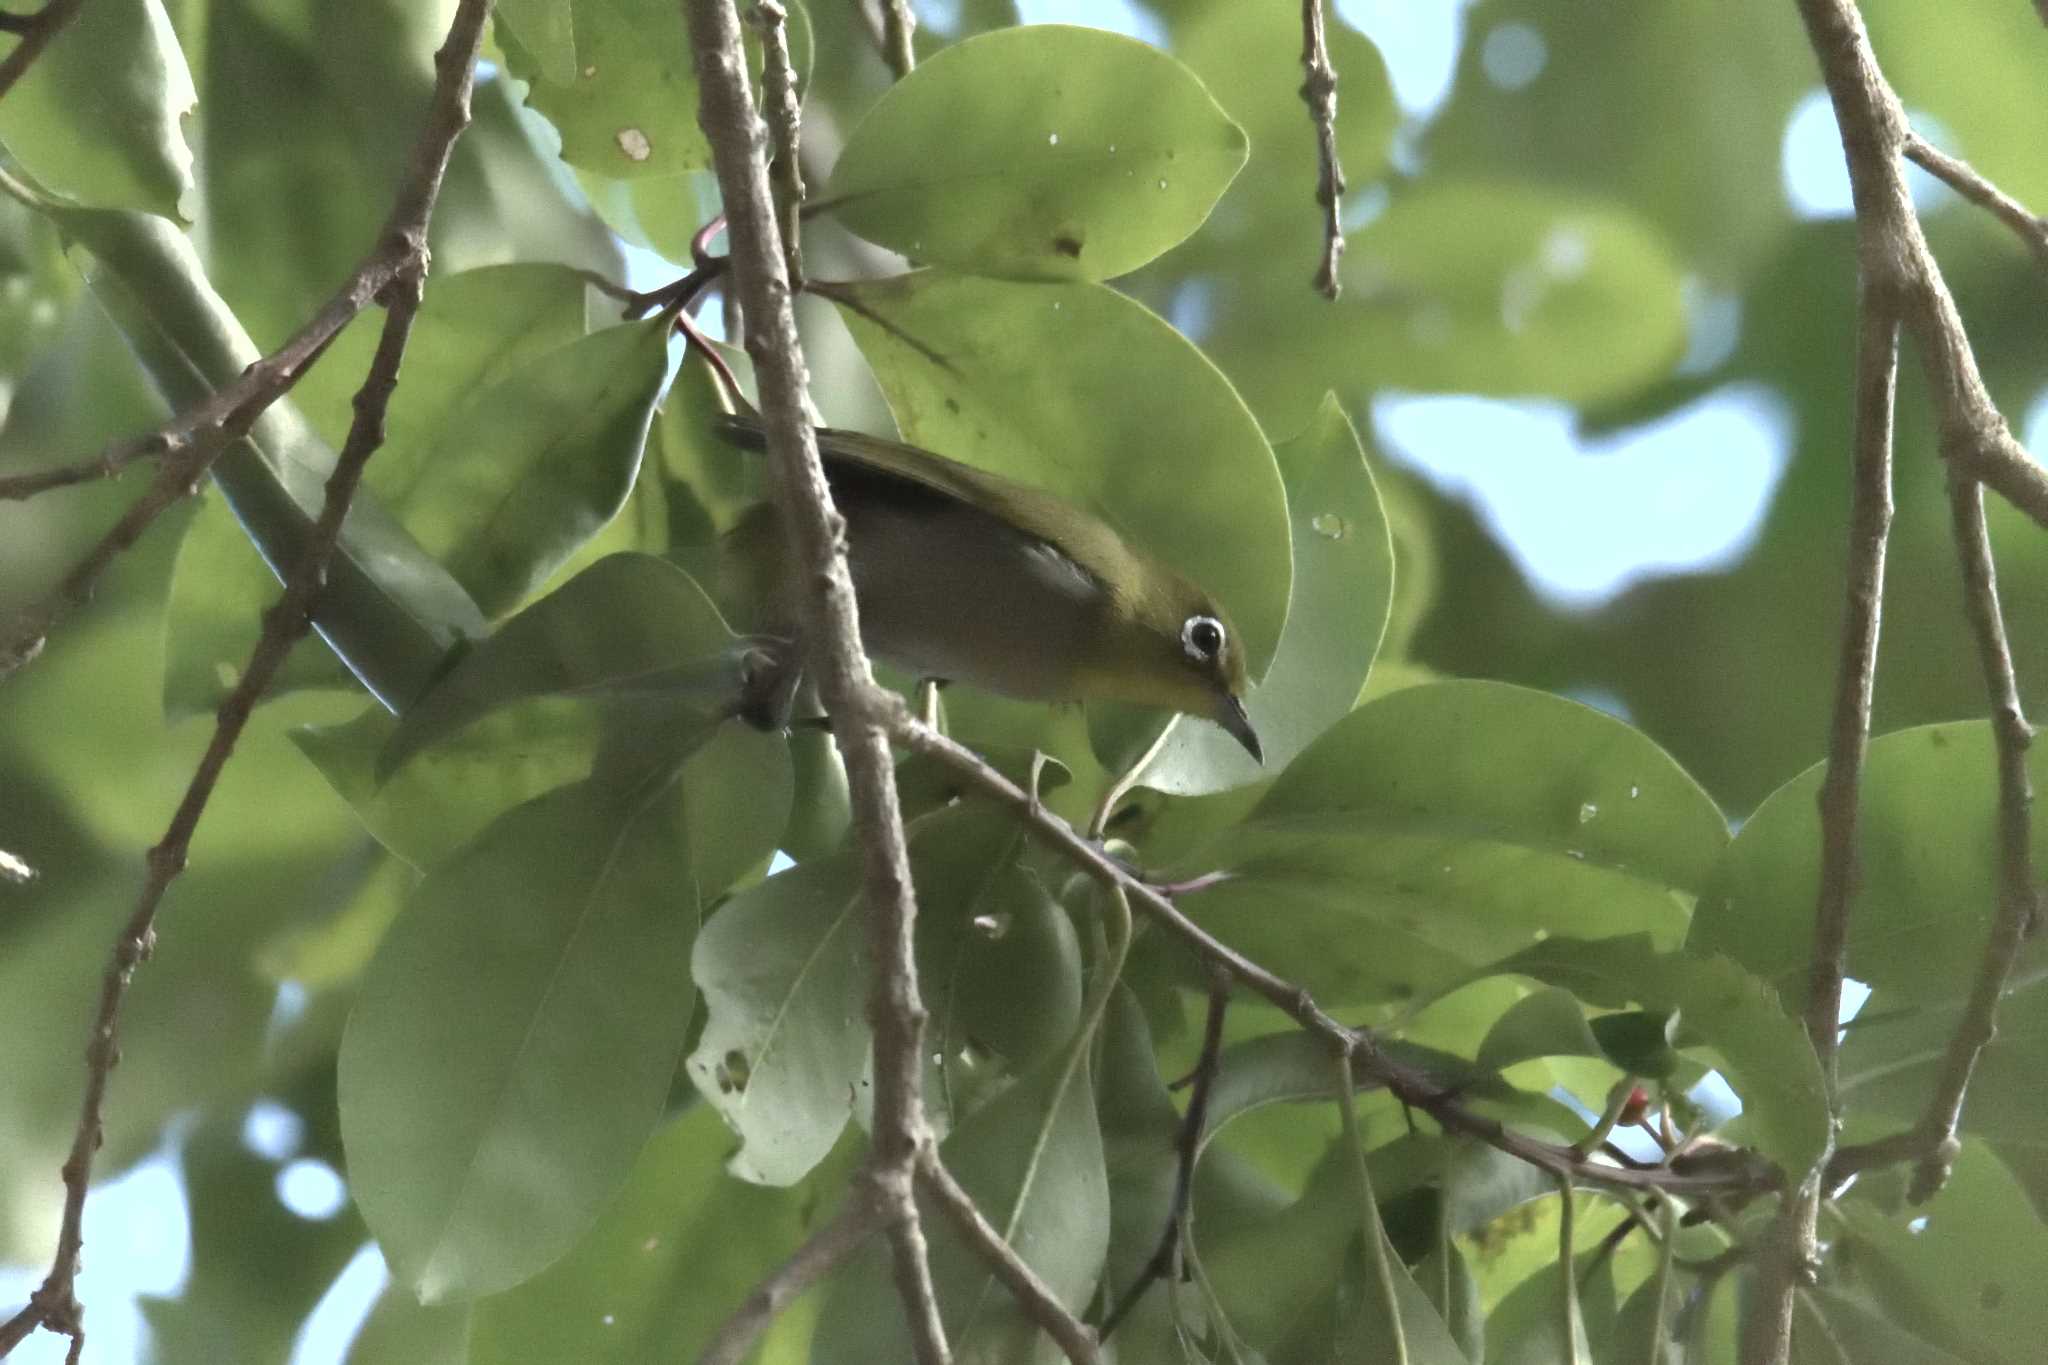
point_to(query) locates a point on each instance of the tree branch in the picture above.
(832, 630)
(37, 32)
(1074, 1336)
(54, 1304)
(818, 1257)
(785, 133)
(1962, 177)
(1319, 92)
(1409, 1084)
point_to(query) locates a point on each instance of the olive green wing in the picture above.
(855, 462)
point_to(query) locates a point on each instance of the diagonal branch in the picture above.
(825, 1249)
(837, 660)
(54, 1304)
(1962, 177)
(37, 32)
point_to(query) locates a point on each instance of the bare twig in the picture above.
(1037, 1297)
(832, 630)
(1962, 177)
(2017, 902)
(779, 107)
(37, 31)
(54, 1304)
(1319, 92)
(820, 1254)
(1409, 1084)
(1187, 1147)
(192, 440)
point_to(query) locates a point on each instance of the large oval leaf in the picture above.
(1343, 590)
(530, 468)
(517, 1033)
(1078, 390)
(1441, 827)
(99, 118)
(1039, 152)
(677, 1249)
(1926, 886)
(629, 624)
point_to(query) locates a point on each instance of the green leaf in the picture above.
(389, 610)
(531, 467)
(1343, 590)
(1044, 152)
(676, 1250)
(1891, 1063)
(1440, 827)
(1471, 287)
(1032, 1160)
(1545, 1023)
(1764, 1051)
(98, 119)
(629, 625)
(1078, 390)
(1141, 1158)
(1969, 1278)
(1926, 834)
(626, 104)
(545, 30)
(403, 1331)
(220, 588)
(517, 1033)
(784, 973)
(997, 961)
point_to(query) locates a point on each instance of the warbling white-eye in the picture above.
(963, 575)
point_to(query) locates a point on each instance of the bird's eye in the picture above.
(1202, 637)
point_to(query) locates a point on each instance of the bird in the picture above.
(965, 576)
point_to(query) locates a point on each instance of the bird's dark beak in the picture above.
(1231, 716)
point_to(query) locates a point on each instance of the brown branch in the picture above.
(1319, 92)
(820, 1254)
(54, 1304)
(2018, 904)
(1962, 177)
(1411, 1085)
(779, 107)
(1074, 1336)
(832, 637)
(37, 32)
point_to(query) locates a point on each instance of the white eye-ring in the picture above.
(1202, 637)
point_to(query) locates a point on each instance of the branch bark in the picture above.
(818, 1257)
(37, 32)
(832, 630)
(1319, 92)
(54, 1304)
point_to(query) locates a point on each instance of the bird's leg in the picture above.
(771, 672)
(928, 701)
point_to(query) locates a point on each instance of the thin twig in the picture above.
(37, 31)
(54, 1304)
(779, 108)
(1411, 1085)
(1962, 177)
(832, 638)
(821, 1253)
(2017, 901)
(1187, 1147)
(1319, 92)
(1036, 1296)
